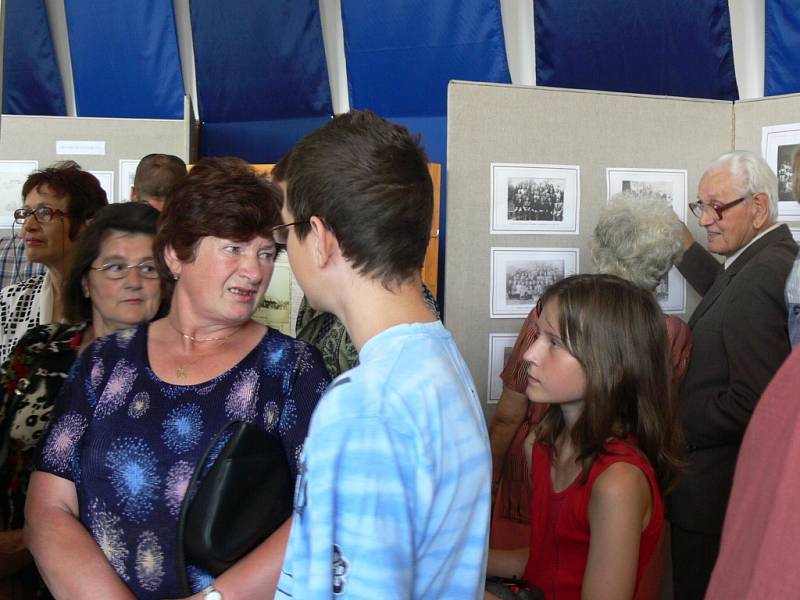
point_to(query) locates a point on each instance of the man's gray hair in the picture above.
(751, 175)
(638, 238)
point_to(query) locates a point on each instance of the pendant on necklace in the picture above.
(180, 373)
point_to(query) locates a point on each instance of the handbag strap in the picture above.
(180, 554)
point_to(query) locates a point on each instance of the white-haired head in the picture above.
(750, 174)
(638, 238)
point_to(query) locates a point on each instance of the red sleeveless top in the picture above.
(559, 547)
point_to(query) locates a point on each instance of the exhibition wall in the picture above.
(552, 135)
(109, 147)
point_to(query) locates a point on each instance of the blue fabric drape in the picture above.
(125, 59)
(402, 53)
(256, 141)
(782, 47)
(665, 47)
(262, 79)
(31, 80)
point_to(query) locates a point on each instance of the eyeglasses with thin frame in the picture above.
(42, 214)
(119, 270)
(716, 208)
(280, 233)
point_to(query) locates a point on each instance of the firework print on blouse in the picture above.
(131, 442)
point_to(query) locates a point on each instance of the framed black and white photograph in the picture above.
(520, 275)
(671, 292)
(500, 346)
(535, 199)
(667, 184)
(13, 174)
(778, 145)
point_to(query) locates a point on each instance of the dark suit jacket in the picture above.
(740, 340)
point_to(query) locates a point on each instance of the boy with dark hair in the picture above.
(156, 175)
(393, 495)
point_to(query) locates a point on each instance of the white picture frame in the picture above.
(671, 184)
(127, 171)
(535, 199)
(275, 309)
(520, 275)
(500, 346)
(778, 143)
(13, 174)
(106, 179)
(671, 293)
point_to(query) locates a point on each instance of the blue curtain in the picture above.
(31, 80)
(664, 47)
(782, 47)
(125, 59)
(402, 53)
(262, 79)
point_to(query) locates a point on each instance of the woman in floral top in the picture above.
(101, 295)
(141, 407)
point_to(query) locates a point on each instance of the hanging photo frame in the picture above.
(535, 199)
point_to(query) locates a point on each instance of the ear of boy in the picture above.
(326, 246)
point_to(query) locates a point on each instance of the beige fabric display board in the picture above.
(97, 144)
(493, 123)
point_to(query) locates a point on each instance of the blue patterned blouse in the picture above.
(130, 442)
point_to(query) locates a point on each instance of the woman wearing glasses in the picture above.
(113, 284)
(58, 202)
(140, 411)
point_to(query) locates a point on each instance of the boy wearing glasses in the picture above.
(740, 340)
(393, 497)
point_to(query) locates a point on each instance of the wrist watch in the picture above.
(211, 593)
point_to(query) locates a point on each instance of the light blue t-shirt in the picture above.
(393, 496)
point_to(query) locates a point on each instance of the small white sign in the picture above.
(80, 147)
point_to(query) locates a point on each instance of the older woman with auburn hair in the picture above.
(142, 408)
(638, 238)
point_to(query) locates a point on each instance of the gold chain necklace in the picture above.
(211, 339)
(181, 370)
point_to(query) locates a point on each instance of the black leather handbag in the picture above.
(239, 494)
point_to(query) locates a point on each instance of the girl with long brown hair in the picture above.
(607, 451)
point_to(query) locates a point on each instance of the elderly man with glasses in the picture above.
(740, 341)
